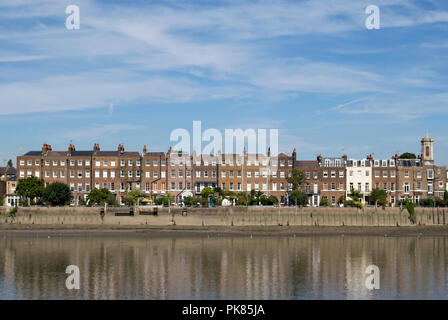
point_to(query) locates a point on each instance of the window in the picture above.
(112, 186)
(359, 186)
(325, 174)
(37, 163)
(315, 175)
(79, 187)
(55, 163)
(205, 174)
(72, 187)
(162, 162)
(79, 163)
(88, 165)
(333, 174)
(384, 174)
(377, 173)
(406, 187)
(341, 174)
(249, 174)
(430, 188)
(97, 174)
(137, 163)
(156, 174)
(385, 186)
(181, 186)
(173, 173)
(130, 163)
(392, 186)
(239, 174)
(419, 185)
(180, 174)
(188, 173)
(112, 174)
(122, 163)
(406, 174)
(79, 174)
(384, 163)
(37, 174)
(148, 163)
(223, 186)
(87, 187)
(430, 174)
(359, 174)
(62, 173)
(122, 173)
(104, 173)
(392, 174)
(419, 174)
(223, 174)
(249, 187)
(22, 162)
(112, 163)
(72, 174)
(367, 187)
(256, 174)
(282, 174)
(47, 163)
(130, 173)
(333, 186)
(97, 163)
(62, 163)
(231, 174)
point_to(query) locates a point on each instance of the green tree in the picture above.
(206, 192)
(378, 197)
(57, 194)
(134, 196)
(324, 202)
(299, 198)
(30, 188)
(163, 200)
(296, 179)
(407, 155)
(356, 195)
(10, 164)
(242, 199)
(101, 197)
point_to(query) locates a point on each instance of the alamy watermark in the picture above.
(373, 278)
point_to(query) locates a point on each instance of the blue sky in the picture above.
(133, 73)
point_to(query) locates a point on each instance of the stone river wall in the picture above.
(223, 216)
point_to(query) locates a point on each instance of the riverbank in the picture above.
(218, 231)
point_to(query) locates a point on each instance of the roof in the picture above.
(154, 154)
(9, 171)
(116, 153)
(33, 153)
(307, 163)
(81, 153)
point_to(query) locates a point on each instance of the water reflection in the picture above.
(223, 267)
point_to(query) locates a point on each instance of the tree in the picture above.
(378, 197)
(30, 188)
(407, 155)
(296, 179)
(10, 164)
(133, 197)
(356, 195)
(206, 192)
(324, 202)
(298, 198)
(101, 197)
(57, 194)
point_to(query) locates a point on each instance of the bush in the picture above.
(57, 194)
(13, 212)
(354, 204)
(324, 202)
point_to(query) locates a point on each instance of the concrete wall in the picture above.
(227, 216)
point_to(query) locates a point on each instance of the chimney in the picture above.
(45, 149)
(319, 158)
(269, 151)
(71, 148)
(294, 154)
(144, 149)
(120, 148)
(96, 147)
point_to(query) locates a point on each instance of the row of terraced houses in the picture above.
(182, 175)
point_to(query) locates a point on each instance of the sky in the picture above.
(136, 71)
